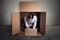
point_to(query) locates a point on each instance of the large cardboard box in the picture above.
(26, 7)
(30, 32)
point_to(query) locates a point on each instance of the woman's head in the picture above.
(30, 17)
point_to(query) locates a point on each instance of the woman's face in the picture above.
(30, 20)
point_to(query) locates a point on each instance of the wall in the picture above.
(52, 8)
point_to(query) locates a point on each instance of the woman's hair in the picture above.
(30, 16)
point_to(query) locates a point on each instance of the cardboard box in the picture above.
(30, 32)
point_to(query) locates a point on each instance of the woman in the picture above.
(30, 21)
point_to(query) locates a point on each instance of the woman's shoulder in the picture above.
(35, 16)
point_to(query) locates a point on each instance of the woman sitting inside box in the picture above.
(30, 21)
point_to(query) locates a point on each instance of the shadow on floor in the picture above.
(52, 33)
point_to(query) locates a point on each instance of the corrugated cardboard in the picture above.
(30, 32)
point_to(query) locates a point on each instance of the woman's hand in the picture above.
(33, 27)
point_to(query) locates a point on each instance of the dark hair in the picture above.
(30, 16)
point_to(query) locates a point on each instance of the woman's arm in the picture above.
(35, 22)
(26, 22)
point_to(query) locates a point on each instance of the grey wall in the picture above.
(51, 7)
